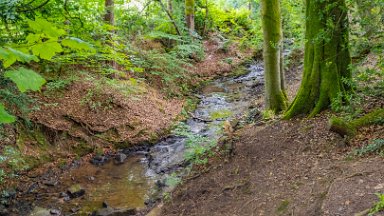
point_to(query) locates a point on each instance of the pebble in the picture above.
(120, 158)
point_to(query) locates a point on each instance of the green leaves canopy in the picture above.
(5, 117)
(25, 79)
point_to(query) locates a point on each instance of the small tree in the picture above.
(109, 18)
(190, 15)
(275, 97)
(326, 59)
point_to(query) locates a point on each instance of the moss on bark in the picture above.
(190, 15)
(326, 57)
(275, 97)
(349, 128)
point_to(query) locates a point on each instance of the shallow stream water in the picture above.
(146, 173)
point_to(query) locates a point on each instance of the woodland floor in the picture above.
(295, 167)
(292, 167)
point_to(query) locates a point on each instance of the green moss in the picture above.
(376, 116)
(341, 127)
(41, 139)
(275, 98)
(326, 60)
(122, 145)
(220, 114)
(82, 148)
(189, 7)
(239, 71)
(349, 128)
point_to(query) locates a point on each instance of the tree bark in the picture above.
(190, 15)
(326, 58)
(109, 18)
(275, 97)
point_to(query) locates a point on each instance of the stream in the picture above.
(150, 172)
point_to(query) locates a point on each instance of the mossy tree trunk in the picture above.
(326, 57)
(190, 15)
(275, 97)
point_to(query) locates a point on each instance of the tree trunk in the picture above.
(170, 17)
(275, 97)
(109, 12)
(109, 18)
(190, 15)
(326, 58)
(170, 6)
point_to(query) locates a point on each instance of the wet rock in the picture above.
(63, 194)
(3, 210)
(105, 204)
(38, 211)
(114, 212)
(74, 210)
(76, 191)
(55, 212)
(160, 184)
(51, 183)
(120, 158)
(150, 202)
(99, 160)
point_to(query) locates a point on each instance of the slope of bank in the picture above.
(91, 114)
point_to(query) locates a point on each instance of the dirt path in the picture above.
(292, 167)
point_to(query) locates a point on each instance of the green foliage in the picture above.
(375, 147)
(14, 159)
(379, 206)
(198, 147)
(172, 180)
(5, 117)
(25, 79)
(10, 55)
(367, 30)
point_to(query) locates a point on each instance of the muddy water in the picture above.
(146, 174)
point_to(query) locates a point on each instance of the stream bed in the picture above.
(149, 172)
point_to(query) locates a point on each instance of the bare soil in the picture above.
(292, 167)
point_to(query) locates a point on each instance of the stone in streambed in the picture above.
(76, 191)
(120, 158)
(38, 211)
(99, 160)
(55, 212)
(114, 212)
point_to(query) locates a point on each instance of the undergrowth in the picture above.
(198, 147)
(374, 147)
(379, 206)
